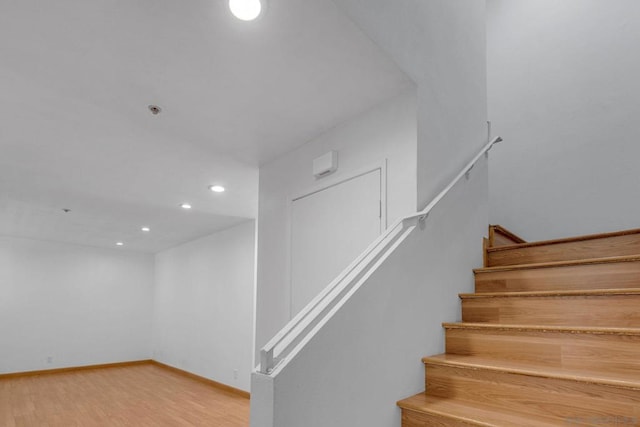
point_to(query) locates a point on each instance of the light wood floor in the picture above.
(142, 395)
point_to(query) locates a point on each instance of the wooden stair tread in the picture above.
(553, 264)
(470, 413)
(543, 328)
(554, 293)
(566, 240)
(614, 379)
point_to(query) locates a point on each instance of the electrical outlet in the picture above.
(235, 374)
(49, 359)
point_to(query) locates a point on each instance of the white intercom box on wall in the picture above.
(325, 164)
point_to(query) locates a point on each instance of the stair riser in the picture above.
(620, 311)
(615, 353)
(421, 419)
(422, 410)
(560, 399)
(619, 275)
(623, 245)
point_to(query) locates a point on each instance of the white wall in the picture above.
(203, 311)
(364, 360)
(440, 44)
(564, 93)
(78, 305)
(368, 355)
(386, 132)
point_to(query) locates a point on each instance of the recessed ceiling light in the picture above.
(216, 188)
(245, 10)
(155, 110)
(185, 206)
(120, 243)
(145, 229)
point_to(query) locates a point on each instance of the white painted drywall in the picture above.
(368, 355)
(203, 311)
(440, 44)
(386, 132)
(564, 93)
(78, 305)
(325, 241)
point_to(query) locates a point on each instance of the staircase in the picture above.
(550, 338)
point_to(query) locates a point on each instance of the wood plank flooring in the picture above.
(140, 395)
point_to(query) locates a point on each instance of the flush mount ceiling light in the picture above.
(217, 188)
(120, 243)
(185, 206)
(145, 229)
(246, 10)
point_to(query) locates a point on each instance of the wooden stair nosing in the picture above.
(565, 240)
(554, 293)
(533, 370)
(555, 264)
(544, 328)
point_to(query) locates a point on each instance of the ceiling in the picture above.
(76, 78)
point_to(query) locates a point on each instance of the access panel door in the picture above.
(329, 229)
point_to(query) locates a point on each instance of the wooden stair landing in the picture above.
(550, 338)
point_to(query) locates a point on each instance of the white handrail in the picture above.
(309, 317)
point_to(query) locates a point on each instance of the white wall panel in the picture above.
(203, 311)
(368, 355)
(563, 92)
(386, 132)
(77, 305)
